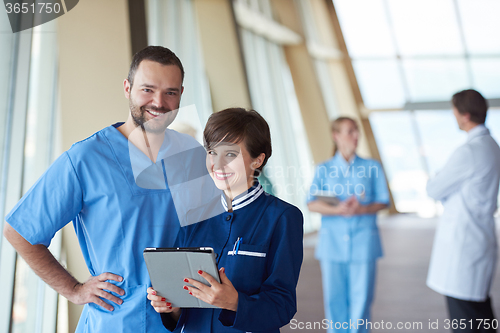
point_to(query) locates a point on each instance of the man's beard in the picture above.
(155, 125)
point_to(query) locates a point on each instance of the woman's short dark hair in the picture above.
(158, 54)
(472, 102)
(238, 125)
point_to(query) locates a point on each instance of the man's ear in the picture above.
(467, 116)
(334, 137)
(127, 88)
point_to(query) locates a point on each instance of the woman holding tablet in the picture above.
(349, 242)
(258, 239)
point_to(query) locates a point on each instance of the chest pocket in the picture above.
(246, 268)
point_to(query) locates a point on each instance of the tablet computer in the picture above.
(168, 267)
(327, 197)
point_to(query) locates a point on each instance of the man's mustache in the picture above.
(156, 109)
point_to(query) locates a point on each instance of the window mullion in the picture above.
(14, 173)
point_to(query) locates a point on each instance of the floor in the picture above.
(401, 294)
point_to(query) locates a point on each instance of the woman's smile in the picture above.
(223, 175)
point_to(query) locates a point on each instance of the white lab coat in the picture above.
(464, 254)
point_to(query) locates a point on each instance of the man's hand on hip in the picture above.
(96, 288)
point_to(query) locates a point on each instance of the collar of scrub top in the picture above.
(169, 147)
(130, 154)
(479, 130)
(244, 198)
(340, 159)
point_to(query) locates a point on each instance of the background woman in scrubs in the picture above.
(349, 242)
(258, 239)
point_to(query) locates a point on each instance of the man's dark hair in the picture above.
(472, 102)
(158, 54)
(236, 125)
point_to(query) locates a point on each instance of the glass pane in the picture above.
(273, 96)
(486, 76)
(41, 104)
(380, 83)
(164, 17)
(396, 140)
(29, 312)
(493, 123)
(7, 46)
(425, 27)
(440, 136)
(25, 299)
(436, 79)
(366, 31)
(481, 25)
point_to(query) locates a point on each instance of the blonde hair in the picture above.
(335, 128)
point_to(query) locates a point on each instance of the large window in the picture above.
(273, 95)
(172, 23)
(406, 52)
(321, 54)
(421, 50)
(414, 145)
(27, 118)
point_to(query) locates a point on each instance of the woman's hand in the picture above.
(346, 208)
(354, 207)
(222, 295)
(161, 305)
(351, 207)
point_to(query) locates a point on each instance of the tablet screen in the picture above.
(168, 267)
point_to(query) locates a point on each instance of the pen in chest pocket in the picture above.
(236, 246)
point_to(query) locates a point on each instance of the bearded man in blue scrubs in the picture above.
(96, 185)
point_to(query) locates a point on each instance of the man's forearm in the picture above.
(43, 263)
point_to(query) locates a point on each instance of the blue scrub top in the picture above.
(93, 185)
(264, 271)
(356, 238)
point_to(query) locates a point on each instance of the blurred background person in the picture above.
(464, 254)
(349, 241)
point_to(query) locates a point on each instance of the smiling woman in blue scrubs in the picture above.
(349, 242)
(257, 289)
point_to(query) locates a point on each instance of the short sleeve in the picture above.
(316, 186)
(380, 184)
(51, 203)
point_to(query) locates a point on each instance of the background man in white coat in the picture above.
(465, 247)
